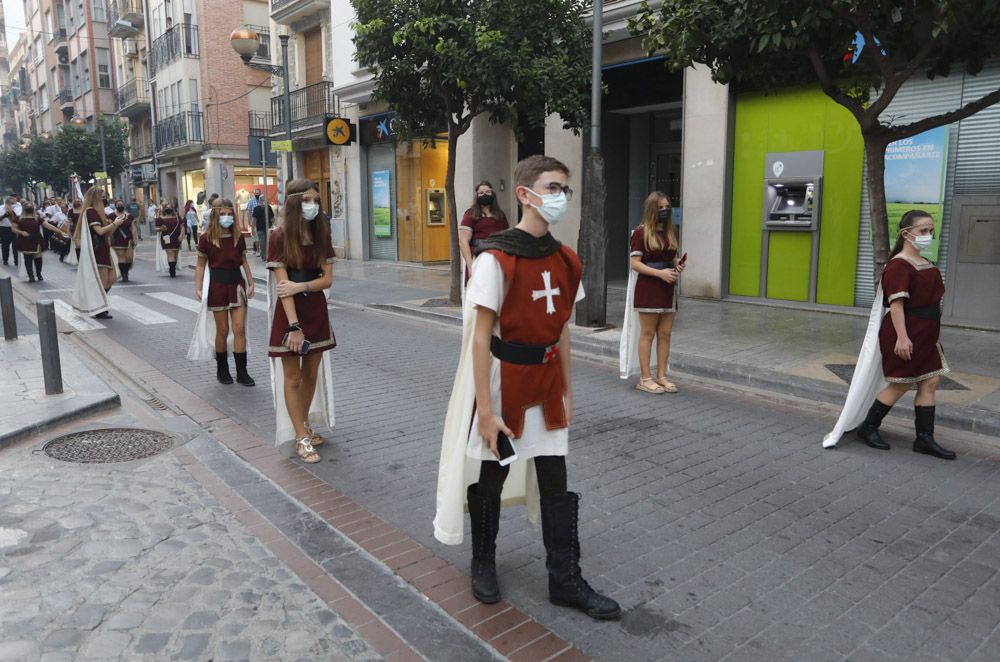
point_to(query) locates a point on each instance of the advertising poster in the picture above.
(914, 179)
(381, 204)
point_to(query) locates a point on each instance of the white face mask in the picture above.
(226, 221)
(553, 206)
(922, 242)
(310, 210)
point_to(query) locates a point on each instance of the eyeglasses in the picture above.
(555, 188)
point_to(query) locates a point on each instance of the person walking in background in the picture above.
(912, 290)
(263, 219)
(124, 239)
(191, 220)
(61, 242)
(226, 292)
(8, 216)
(170, 232)
(300, 260)
(480, 220)
(151, 218)
(135, 211)
(248, 219)
(652, 295)
(30, 240)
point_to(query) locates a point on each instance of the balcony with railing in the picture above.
(184, 129)
(309, 108)
(132, 98)
(64, 98)
(260, 123)
(125, 18)
(179, 41)
(287, 12)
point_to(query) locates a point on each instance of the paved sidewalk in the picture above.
(27, 409)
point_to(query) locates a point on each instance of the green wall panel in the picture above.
(795, 120)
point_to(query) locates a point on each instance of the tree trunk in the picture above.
(455, 293)
(592, 244)
(875, 145)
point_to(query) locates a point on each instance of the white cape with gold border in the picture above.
(867, 380)
(88, 296)
(202, 347)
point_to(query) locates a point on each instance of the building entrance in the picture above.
(972, 282)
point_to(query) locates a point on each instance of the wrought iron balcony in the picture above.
(260, 123)
(309, 107)
(181, 130)
(180, 40)
(287, 12)
(132, 97)
(64, 98)
(125, 18)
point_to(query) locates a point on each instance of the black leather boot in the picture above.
(868, 430)
(485, 516)
(222, 368)
(29, 266)
(122, 271)
(38, 268)
(567, 586)
(242, 376)
(173, 269)
(924, 443)
(127, 267)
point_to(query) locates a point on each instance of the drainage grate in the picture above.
(156, 403)
(108, 445)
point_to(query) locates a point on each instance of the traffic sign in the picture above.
(100, 175)
(281, 145)
(339, 131)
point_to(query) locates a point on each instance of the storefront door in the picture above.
(316, 167)
(381, 185)
(974, 277)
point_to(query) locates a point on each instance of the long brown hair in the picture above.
(495, 211)
(909, 218)
(650, 219)
(294, 227)
(214, 230)
(91, 200)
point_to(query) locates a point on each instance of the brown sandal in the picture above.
(305, 451)
(649, 385)
(314, 437)
(667, 385)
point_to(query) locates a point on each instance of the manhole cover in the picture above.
(108, 445)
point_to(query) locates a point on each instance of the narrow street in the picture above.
(713, 515)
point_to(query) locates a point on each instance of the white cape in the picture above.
(321, 410)
(88, 296)
(628, 344)
(162, 263)
(867, 381)
(202, 347)
(71, 256)
(456, 471)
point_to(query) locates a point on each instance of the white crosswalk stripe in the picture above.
(176, 300)
(138, 312)
(79, 322)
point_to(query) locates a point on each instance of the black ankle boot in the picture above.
(868, 430)
(924, 443)
(485, 516)
(242, 376)
(38, 268)
(222, 368)
(29, 266)
(567, 587)
(122, 272)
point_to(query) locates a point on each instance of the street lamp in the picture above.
(45, 137)
(80, 124)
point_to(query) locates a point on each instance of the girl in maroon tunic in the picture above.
(653, 256)
(481, 220)
(300, 256)
(912, 289)
(29, 240)
(100, 227)
(228, 291)
(170, 230)
(124, 239)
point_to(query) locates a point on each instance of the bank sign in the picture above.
(915, 178)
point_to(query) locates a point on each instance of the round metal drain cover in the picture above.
(108, 445)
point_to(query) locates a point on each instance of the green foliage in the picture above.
(441, 62)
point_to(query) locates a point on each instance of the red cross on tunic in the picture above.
(550, 353)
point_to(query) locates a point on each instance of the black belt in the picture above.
(226, 276)
(512, 352)
(658, 265)
(303, 275)
(924, 312)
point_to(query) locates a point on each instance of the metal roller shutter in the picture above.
(978, 171)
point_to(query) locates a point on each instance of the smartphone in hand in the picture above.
(684, 258)
(505, 447)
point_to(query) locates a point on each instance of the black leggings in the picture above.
(550, 469)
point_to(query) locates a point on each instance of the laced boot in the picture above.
(924, 443)
(485, 516)
(868, 430)
(222, 368)
(242, 376)
(567, 587)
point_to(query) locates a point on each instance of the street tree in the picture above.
(79, 152)
(440, 63)
(860, 52)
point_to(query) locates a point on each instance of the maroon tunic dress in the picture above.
(653, 295)
(309, 306)
(170, 227)
(122, 237)
(102, 249)
(224, 262)
(483, 227)
(34, 242)
(921, 288)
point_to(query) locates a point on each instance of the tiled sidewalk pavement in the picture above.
(137, 561)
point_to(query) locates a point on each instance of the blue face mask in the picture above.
(226, 221)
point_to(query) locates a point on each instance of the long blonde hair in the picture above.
(650, 219)
(214, 230)
(91, 200)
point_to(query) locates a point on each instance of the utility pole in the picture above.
(593, 310)
(267, 204)
(288, 98)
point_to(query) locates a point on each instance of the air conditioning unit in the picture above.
(63, 58)
(130, 47)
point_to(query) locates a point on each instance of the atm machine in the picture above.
(793, 192)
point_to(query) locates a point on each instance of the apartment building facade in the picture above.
(8, 97)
